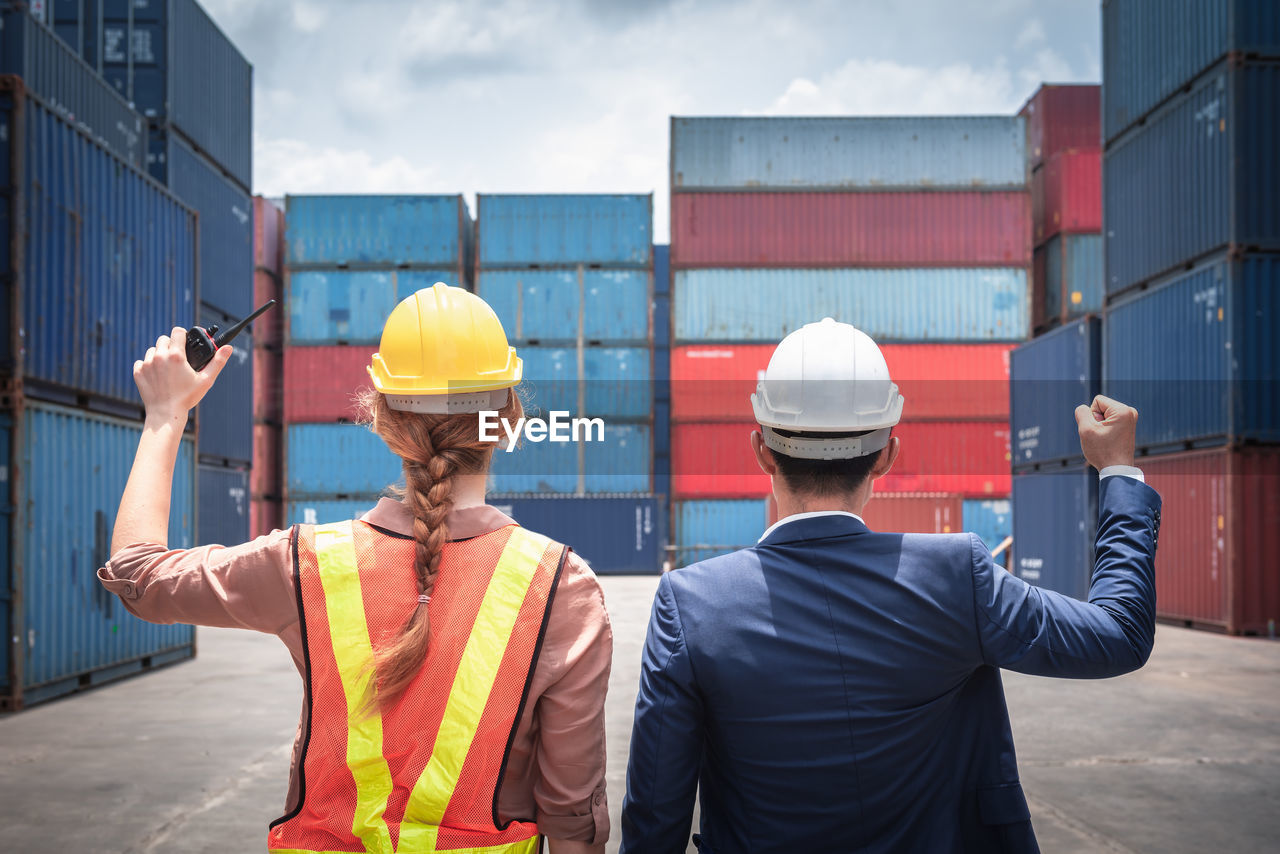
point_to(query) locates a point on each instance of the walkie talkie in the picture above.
(202, 344)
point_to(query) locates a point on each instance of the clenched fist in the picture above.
(1107, 430)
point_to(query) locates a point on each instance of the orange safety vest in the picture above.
(423, 776)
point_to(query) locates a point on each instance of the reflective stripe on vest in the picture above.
(486, 647)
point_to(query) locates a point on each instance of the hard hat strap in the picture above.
(839, 446)
(449, 404)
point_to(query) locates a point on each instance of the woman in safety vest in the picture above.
(455, 664)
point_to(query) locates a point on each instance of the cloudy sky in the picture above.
(574, 95)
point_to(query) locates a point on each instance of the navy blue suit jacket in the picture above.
(835, 689)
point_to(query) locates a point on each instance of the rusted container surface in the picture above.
(265, 515)
(914, 512)
(1062, 118)
(1066, 195)
(268, 385)
(320, 383)
(264, 477)
(268, 330)
(268, 235)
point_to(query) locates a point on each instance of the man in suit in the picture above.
(835, 689)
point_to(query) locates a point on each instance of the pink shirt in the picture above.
(556, 768)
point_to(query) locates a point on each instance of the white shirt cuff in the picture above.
(1124, 471)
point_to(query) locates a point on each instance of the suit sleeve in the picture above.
(1038, 631)
(666, 738)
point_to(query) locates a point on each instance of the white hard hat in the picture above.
(827, 377)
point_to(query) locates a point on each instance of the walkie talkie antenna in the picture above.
(226, 335)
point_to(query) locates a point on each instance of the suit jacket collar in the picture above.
(815, 528)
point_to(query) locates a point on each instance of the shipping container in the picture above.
(222, 515)
(225, 416)
(941, 304)
(432, 232)
(68, 632)
(268, 236)
(55, 73)
(662, 448)
(914, 512)
(533, 230)
(661, 268)
(715, 460)
(102, 260)
(1152, 49)
(268, 330)
(616, 535)
(1198, 356)
(1055, 521)
(992, 520)
(613, 383)
(226, 221)
(618, 460)
(350, 306)
(321, 384)
(555, 306)
(1069, 278)
(1062, 117)
(1216, 564)
(264, 476)
(705, 529)
(937, 381)
(320, 510)
(856, 229)
(337, 460)
(265, 515)
(1066, 195)
(661, 302)
(268, 384)
(1049, 377)
(932, 152)
(1198, 176)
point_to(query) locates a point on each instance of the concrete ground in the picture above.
(1183, 756)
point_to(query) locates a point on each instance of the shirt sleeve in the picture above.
(249, 586)
(1122, 471)
(1038, 631)
(570, 789)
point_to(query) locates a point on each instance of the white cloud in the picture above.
(1032, 34)
(883, 87)
(308, 17)
(293, 166)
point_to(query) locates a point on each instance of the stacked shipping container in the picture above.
(266, 509)
(1192, 272)
(917, 231)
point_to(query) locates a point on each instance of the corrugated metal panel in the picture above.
(979, 304)
(1219, 142)
(268, 384)
(963, 152)
(545, 306)
(265, 515)
(520, 230)
(615, 535)
(268, 236)
(1151, 48)
(321, 383)
(1216, 561)
(226, 222)
(913, 512)
(6, 544)
(862, 229)
(621, 463)
(350, 306)
(614, 382)
(52, 70)
(715, 461)
(428, 231)
(337, 460)
(1055, 520)
(225, 416)
(222, 515)
(662, 448)
(938, 381)
(1051, 376)
(109, 258)
(1198, 357)
(705, 529)
(991, 520)
(320, 510)
(264, 477)
(1062, 118)
(661, 268)
(73, 628)
(1066, 195)
(1072, 278)
(268, 330)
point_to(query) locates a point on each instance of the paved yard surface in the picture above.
(1183, 756)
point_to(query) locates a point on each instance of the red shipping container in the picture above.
(1066, 195)
(920, 229)
(320, 383)
(268, 385)
(939, 381)
(265, 515)
(264, 477)
(715, 461)
(1062, 118)
(268, 235)
(904, 512)
(1216, 558)
(268, 330)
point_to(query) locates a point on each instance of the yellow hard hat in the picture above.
(443, 351)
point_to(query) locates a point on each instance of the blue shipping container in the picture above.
(622, 462)
(350, 306)
(1055, 521)
(661, 268)
(705, 529)
(1152, 48)
(1073, 282)
(547, 306)
(70, 632)
(662, 447)
(222, 514)
(933, 152)
(614, 382)
(337, 460)
(108, 259)
(226, 222)
(1049, 377)
(616, 535)
(1199, 175)
(54, 72)
(992, 520)
(321, 509)
(978, 304)
(1198, 356)
(378, 231)
(225, 416)
(608, 230)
